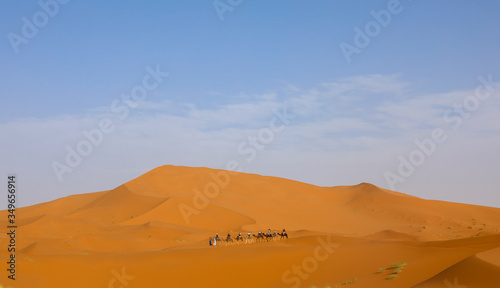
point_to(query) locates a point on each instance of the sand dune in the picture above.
(153, 232)
(470, 272)
(214, 217)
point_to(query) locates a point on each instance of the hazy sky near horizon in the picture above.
(402, 94)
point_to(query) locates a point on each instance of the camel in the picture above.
(268, 236)
(258, 237)
(283, 235)
(275, 236)
(238, 238)
(249, 239)
(228, 239)
(217, 238)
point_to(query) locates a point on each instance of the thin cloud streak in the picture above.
(342, 134)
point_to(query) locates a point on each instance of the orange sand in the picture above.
(136, 236)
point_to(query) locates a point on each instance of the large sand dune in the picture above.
(153, 232)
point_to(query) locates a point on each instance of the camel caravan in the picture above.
(249, 238)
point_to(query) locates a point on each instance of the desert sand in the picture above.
(153, 231)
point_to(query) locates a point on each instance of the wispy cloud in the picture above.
(347, 131)
(372, 84)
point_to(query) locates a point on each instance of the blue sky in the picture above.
(228, 77)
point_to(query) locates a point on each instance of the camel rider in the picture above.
(260, 233)
(275, 233)
(268, 232)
